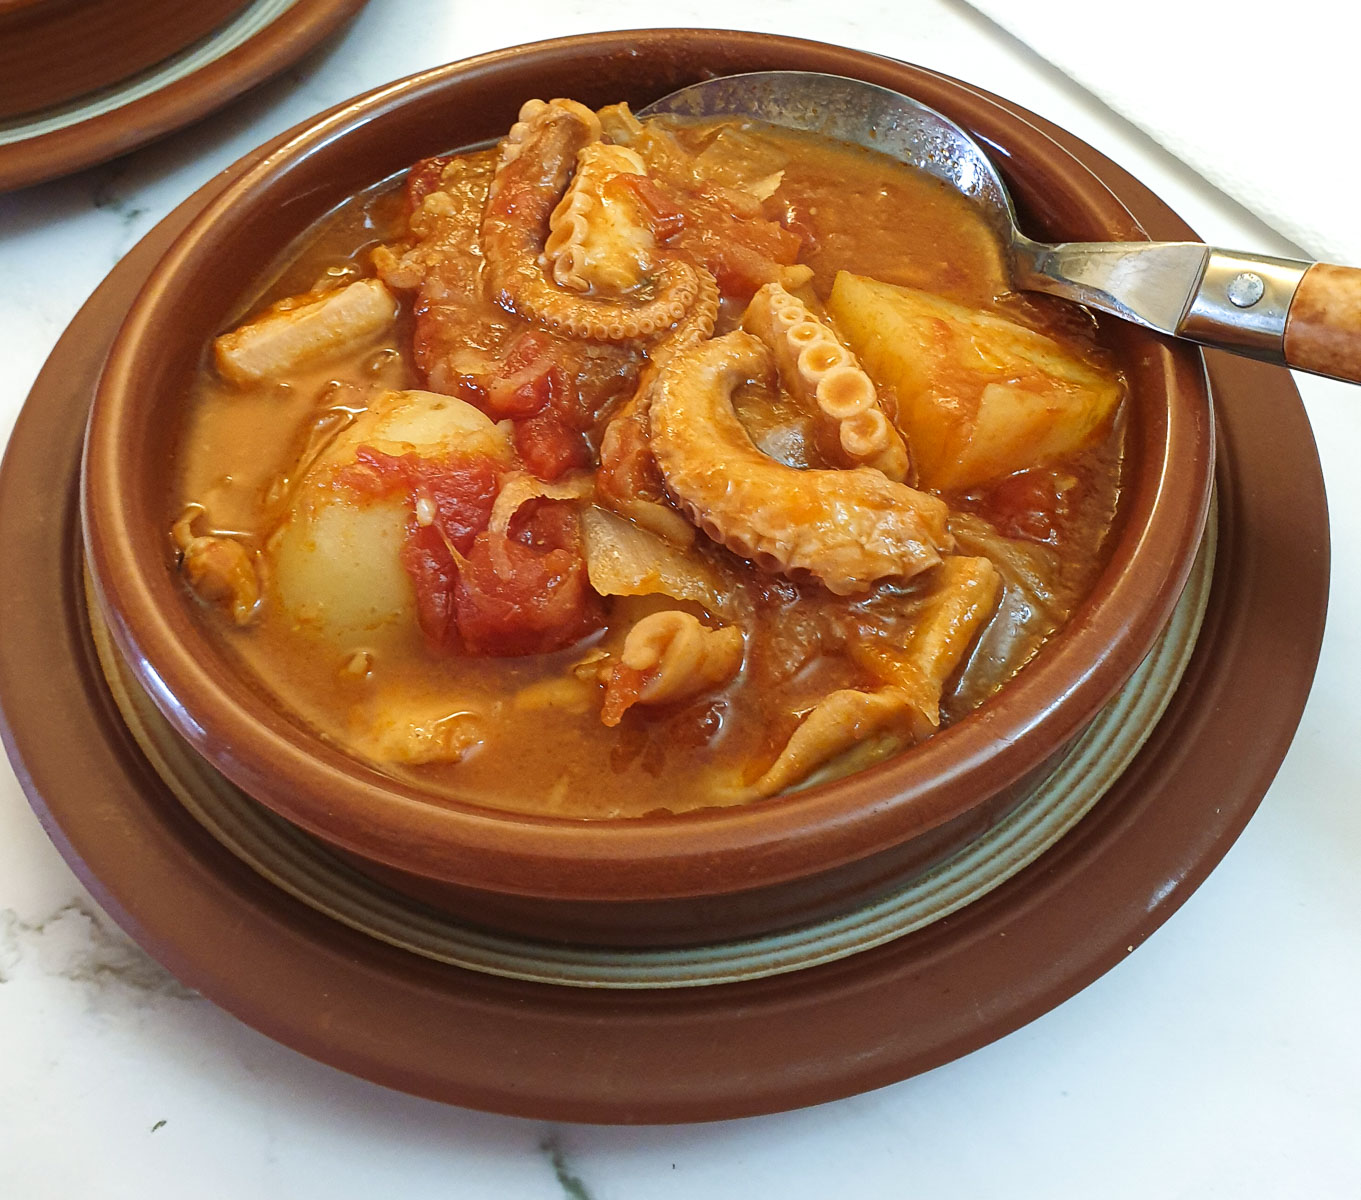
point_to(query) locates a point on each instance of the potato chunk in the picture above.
(336, 558)
(979, 397)
(337, 564)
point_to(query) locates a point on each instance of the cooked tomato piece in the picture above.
(526, 379)
(426, 559)
(743, 254)
(454, 494)
(622, 690)
(533, 596)
(460, 487)
(665, 217)
(549, 446)
(1032, 505)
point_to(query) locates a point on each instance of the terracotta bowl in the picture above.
(52, 51)
(704, 876)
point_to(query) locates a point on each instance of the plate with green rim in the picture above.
(667, 1054)
(259, 40)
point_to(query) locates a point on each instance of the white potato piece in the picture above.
(425, 423)
(337, 565)
(336, 559)
(286, 338)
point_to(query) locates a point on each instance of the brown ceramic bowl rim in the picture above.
(724, 849)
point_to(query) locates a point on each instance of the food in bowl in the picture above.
(645, 466)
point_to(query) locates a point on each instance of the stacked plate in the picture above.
(82, 83)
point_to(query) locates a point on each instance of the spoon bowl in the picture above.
(1300, 314)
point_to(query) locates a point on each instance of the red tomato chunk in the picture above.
(536, 598)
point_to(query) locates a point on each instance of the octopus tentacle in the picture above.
(628, 477)
(597, 239)
(824, 374)
(669, 656)
(535, 164)
(962, 599)
(679, 656)
(846, 528)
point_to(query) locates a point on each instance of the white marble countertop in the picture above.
(1222, 1058)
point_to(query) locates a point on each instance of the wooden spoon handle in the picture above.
(1323, 326)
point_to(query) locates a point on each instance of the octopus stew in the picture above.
(643, 466)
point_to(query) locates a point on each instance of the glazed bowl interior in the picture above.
(197, 291)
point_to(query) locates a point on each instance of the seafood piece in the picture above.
(845, 528)
(669, 656)
(817, 369)
(416, 739)
(628, 478)
(962, 600)
(304, 331)
(836, 723)
(598, 241)
(964, 596)
(221, 571)
(536, 160)
(679, 656)
(217, 566)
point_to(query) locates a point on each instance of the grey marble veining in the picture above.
(79, 944)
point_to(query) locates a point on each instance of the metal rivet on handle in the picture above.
(1246, 289)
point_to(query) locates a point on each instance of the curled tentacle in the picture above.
(679, 656)
(598, 240)
(846, 528)
(670, 656)
(537, 159)
(628, 476)
(962, 599)
(819, 370)
(696, 326)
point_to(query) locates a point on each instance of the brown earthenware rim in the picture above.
(643, 1057)
(304, 867)
(52, 51)
(260, 40)
(758, 846)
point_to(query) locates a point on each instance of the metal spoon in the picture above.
(1301, 314)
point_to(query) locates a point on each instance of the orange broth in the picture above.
(542, 746)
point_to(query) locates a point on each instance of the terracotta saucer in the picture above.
(52, 51)
(634, 1056)
(260, 39)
